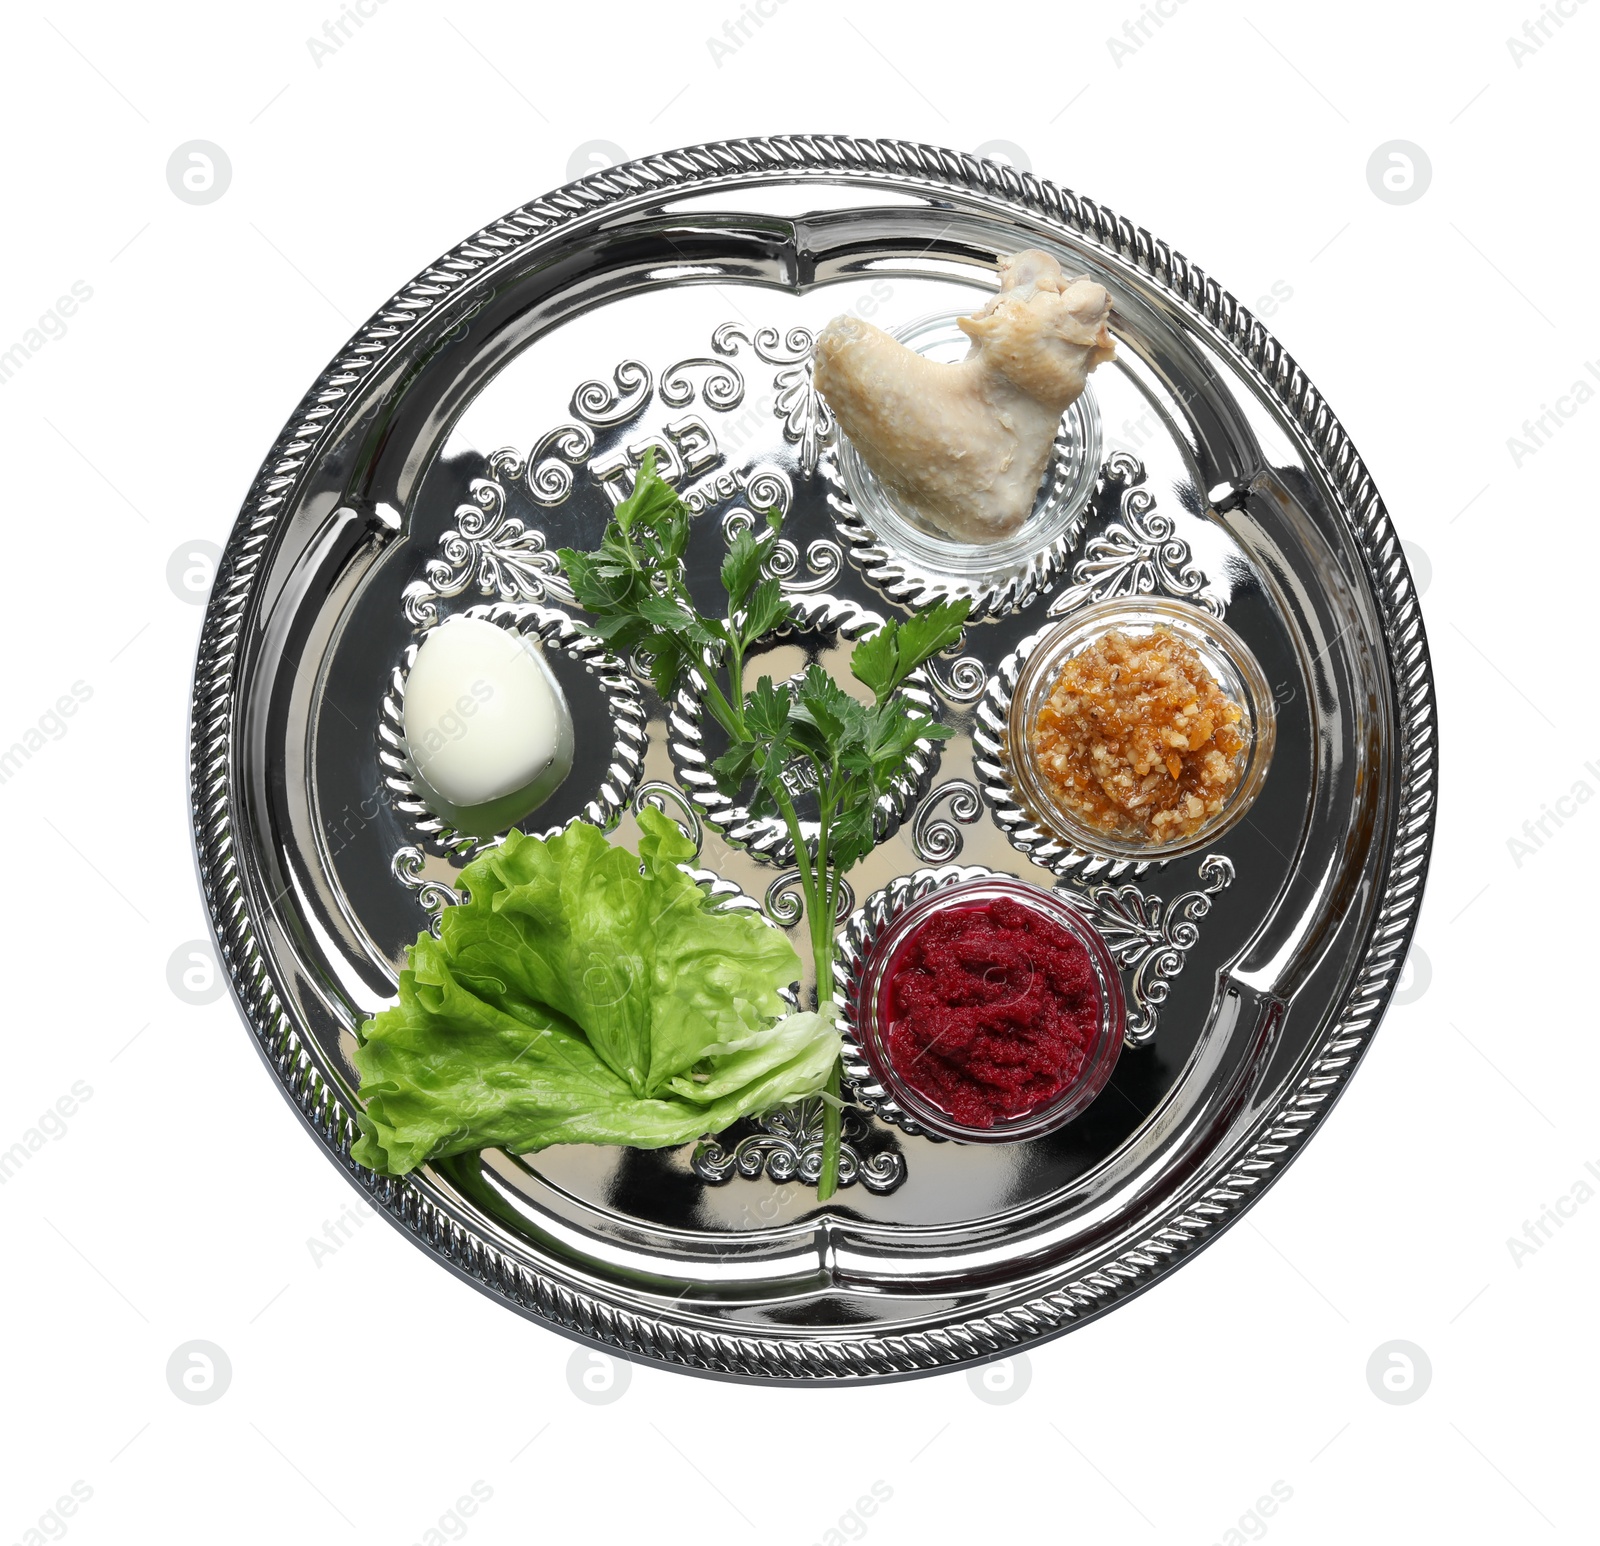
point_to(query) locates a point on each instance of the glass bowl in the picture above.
(1224, 654)
(873, 1015)
(1039, 547)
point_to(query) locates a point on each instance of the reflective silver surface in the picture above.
(494, 411)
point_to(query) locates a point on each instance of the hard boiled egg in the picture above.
(486, 724)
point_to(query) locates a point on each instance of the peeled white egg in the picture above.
(486, 724)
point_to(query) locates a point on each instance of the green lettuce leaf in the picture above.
(583, 994)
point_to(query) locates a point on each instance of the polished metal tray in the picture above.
(492, 411)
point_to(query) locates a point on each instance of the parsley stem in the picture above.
(832, 1138)
(819, 891)
(823, 923)
(802, 855)
(736, 676)
(722, 711)
(635, 582)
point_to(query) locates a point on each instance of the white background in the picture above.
(369, 1390)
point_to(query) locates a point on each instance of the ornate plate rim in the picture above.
(1183, 1225)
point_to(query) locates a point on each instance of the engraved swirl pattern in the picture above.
(787, 1146)
(539, 1288)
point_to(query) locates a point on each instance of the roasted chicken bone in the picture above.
(966, 445)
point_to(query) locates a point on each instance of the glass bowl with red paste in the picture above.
(992, 1011)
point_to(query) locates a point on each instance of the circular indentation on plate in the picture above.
(867, 944)
(599, 691)
(823, 625)
(1023, 805)
(914, 564)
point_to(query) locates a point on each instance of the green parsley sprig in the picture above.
(633, 587)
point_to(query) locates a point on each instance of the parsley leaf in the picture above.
(924, 634)
(768, 608)
(741, 567)
(885, 658)
(767, 710)
(875, 657)
(850, 752)
(823, 705)
(732, 768)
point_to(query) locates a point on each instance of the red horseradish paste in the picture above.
(992, 1008)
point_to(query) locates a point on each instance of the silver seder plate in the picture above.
(493, 411)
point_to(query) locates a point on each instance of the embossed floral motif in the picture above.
(722, 386)
(1151, 937)
(823, 560)
(488, 548)
(962, 680)
(782, 901)
(1138, 555)
(768, 488)
(596, 403)
(762, 488)
(508, 560)
(407, 866)
(787, 1145)
(659, 795)
(936, 839)
(549, 465)
(806, 419)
